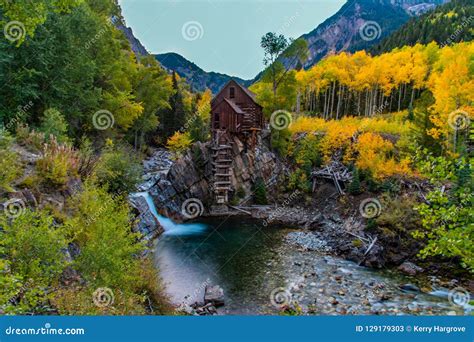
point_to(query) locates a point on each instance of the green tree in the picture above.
(118, 169)
(354, 186)
(32, 13)
(277, 46)
(10, 165)
(174, 119)
(53, 123)
(260, 192)
(153, 90)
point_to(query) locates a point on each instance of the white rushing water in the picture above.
(170, 227)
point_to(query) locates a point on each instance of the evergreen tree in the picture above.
(260, 192)
(354, 187)
(174, 118)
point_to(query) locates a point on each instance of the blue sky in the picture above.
(222, 35)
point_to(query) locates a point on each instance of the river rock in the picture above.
(410, 268)
(409, 288)
(146, 224)
(214, 295)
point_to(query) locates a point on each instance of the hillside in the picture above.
(341, 31)
(448, 24)
(196, 77)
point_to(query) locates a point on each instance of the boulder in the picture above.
(410, 268)
(214, 295)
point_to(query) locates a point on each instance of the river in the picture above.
(259, 269)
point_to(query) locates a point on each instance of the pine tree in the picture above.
(174, 118)
(354, 187)
(260, 192)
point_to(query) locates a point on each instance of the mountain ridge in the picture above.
(359, 24)
(196, 76)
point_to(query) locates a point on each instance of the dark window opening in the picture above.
(231, 92)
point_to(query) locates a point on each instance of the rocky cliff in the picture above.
(170, 183)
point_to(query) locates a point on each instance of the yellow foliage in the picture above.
(179, 142)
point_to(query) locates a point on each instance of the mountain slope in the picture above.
(135, 44)
(359, 24)
(196, 77)
(447, 24)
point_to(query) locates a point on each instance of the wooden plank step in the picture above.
(221, 147)
(223, 174)
(222, 183)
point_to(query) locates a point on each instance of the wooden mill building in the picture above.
(234, 112)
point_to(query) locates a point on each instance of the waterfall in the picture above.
(170, 227)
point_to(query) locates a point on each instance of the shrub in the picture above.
(33, 248)
(109, 258)
(59, 162)
(447, 225)
(299, 180)
(179, 142)
(118, 169)
(10, 165)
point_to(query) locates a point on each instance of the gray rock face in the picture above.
(147, 224)
(214, 295)
(190, 176)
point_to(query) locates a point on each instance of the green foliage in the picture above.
(33, 13)
(448, 226)
(153, 91)
(447, 24)
(10, 166)
(240, 193)
(421, 123)
(447, 217)
(101, 225)
(118, 169)
(33, 249)
(354, 186)
(80, 63)
(174, 118)
(280, 140)
(307, 153)
(260, 192)
(299, 180)
(53, 123)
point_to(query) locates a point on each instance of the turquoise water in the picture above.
(256, 265)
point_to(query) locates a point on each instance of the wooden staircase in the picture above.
(222, 166)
